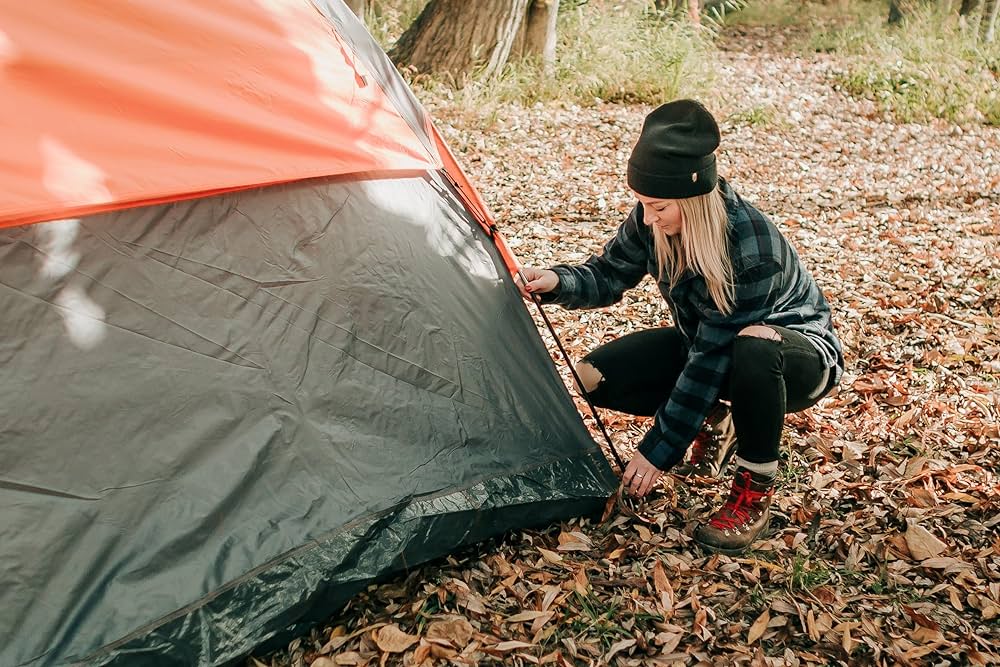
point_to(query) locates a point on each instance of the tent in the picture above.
(261, 346)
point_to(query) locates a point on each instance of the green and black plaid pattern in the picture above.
(771, 287)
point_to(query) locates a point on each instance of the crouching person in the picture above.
(752, 338)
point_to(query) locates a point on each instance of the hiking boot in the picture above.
(712, 448)
(743, 518)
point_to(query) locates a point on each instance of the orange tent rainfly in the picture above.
(261, 342)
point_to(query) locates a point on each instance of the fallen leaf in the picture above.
(945, 563)
(340, 639)
(668, 641)
(663, 587)
(539, 623)
(391, 639)
(525, 616)
(421, 653)
(922, 543)
(458, 631)
(759, 627)
(618, 647)
(700, 628)
(580, 582)
(574, 541)
(550, 556)
(511, 646)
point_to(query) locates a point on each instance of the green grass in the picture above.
(386, 20)
(599, 620)
(796, 12)
(929, 66)
(807, 574)
(761, 115)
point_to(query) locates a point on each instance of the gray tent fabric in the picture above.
(223, 417)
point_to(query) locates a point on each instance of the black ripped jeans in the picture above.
(767, 379)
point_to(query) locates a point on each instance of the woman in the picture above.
(750, 325)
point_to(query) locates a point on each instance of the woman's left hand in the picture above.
(640, 476)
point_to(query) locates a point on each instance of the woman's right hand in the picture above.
(539, 281)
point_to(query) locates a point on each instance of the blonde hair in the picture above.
(702, 246)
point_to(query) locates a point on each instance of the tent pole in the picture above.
(572, 369)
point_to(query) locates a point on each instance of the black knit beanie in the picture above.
(674, 157)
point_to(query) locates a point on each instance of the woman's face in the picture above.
(661, 214)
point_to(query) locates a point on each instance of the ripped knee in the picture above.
(590, 377)
(760, 331)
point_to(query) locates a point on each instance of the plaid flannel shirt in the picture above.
(771, 287)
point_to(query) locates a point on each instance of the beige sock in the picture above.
(768, 469)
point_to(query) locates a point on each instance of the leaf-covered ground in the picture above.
(886, 541)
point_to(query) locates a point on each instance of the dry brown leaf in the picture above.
(668, 641)
(946, 563)
(512, 646)
(663, 587)
(700, 628)
(458, 631)
(442, 652)
(421, 653)
(340, 639)
(617, 647)
(922, 543)
(390, 639)
(580, 581)
(550, 556)
(846, 640)
(574, 541)
(550, 658)
(525, 616)
(552, 592)
(539, 623)
(758, 627)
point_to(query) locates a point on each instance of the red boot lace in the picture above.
(736, 511)
(702, 442)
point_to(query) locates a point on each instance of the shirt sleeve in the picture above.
(678, 420)
(602, 279)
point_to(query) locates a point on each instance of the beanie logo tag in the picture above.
(694, 177)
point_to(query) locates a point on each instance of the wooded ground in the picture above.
(885, 547)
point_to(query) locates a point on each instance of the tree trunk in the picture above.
(900, 9)
(895, 12)
(967, 7)
(988, 27)
(457, 36)
(359, 7)
(537, 36)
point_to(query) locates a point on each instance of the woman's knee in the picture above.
(759, 331)
(590, 377)
(756, 352)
